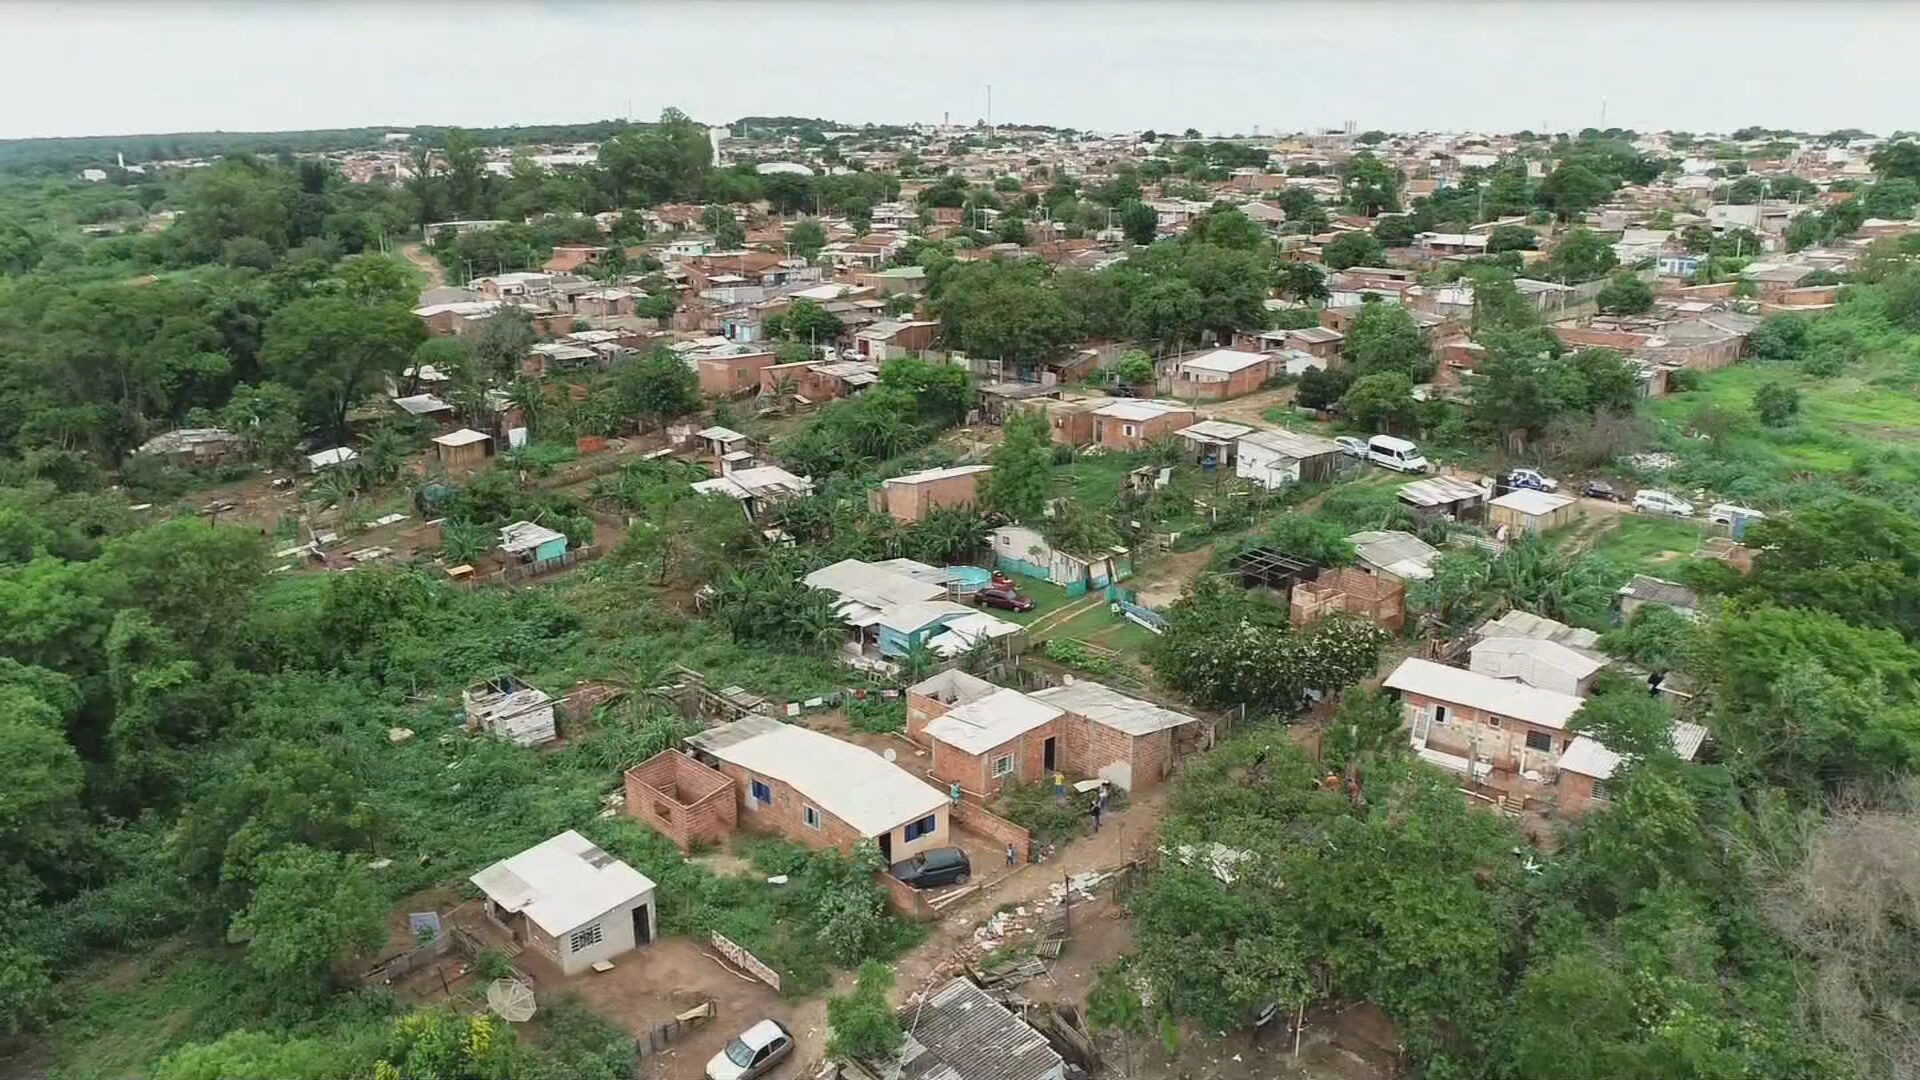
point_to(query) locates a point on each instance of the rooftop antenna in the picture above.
(989, 109)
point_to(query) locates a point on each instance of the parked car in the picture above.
(1531, 480)
(935, 867)
(752, 1053)
(1650, 501)
(1004, 599)
(1396, 454)
(1351, 446)
(1600, 489)
(1725, 514)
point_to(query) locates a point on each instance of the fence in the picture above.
(905, 900)
(399, 967)
(974, 818)
(745, 960)
(513, 575)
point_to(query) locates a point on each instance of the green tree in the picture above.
(806, 238)
(658, 387)
(805, 320)
(861, 1025)
(1304, 282)
(1384, 338)
(1511, 238)
(728, 233)
(1138, 221)
(1132, 368)
(310, 908)
(1353, 249)
(1776, 403)
(1168, 314)
(1581, 255)
(1394, 230)
(1891, 198)
(1382, 401)
(1369, 185)
(332, 351)
(1017, 486)
(1780, 337)
(1625, 294)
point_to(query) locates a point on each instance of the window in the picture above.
(926, 826)
(584, 938)
(1539, 740)
(1601, 791)
(811, 816)
(1003, 766)
(663, 811)
(762, 794)
(1493, 721)
(1439, 714)
(1129, 430)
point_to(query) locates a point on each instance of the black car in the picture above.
(934, 868)
(1596, 489)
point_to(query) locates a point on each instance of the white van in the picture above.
(1396, 454)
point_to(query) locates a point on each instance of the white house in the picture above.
(570, 901)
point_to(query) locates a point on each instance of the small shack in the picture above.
(1263, 567)
(1380, 599)
(1274, 459)
(569, 901)
(510, 709)
(461, 450)
(1530, 511)
(327, 459)
(1445, 497)
(531, 544)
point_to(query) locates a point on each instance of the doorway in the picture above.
(886, 847)
(1047, 760)
(643, 924)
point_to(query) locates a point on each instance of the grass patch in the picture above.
(1643, 545)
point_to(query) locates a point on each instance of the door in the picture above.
(886, 847)
(642, 924)
(1440, 714)
(1047, 761)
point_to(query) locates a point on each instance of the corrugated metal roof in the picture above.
(962, 1034)
(562, 883)
(850, 782)
(1110, 708)
(1501, 697)
(981, 725)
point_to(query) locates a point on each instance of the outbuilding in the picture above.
(463, 449)
(1530, 511)
(569, 901)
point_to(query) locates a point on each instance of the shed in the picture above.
(1216, 439)
(1272, 569)
(1445, 496)
(1400, 554)
(1548, 665)
(961, 1033)
(506, 707)
(1646, 589)
(1001, 738)
(1118, 738)
(1531, 511)
(572, 902)
(327, 459)
(462, 449)
(1274, 459)
(533, 544)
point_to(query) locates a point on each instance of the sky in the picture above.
(106, 67)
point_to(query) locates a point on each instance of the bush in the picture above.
(1776, 404)
(861, 1025)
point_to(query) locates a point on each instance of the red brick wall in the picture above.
(1152, 758)
(783, 817)
(976, 819)
(974, 772)
(1072, 428)
(920, 710)
(1245, 381)
(911, 502)
(1573, 795)
(731, 376)
(905, 900)
(682, 799)
(1503, 746)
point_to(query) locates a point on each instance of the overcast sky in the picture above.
(79, 68)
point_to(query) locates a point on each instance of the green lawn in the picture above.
(1641, 544)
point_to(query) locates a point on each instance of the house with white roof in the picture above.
(1500, 732)
(1548, 665)
(1128, 741)
(913, 496)
(757, 489)
(892, 607)
(1118, 423)
(1586, 770)
(819, 791)
(1275, 459)
(1220, 373)
(569, 901)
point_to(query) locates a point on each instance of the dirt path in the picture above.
(1062, 615)
(1249, 409)
(416, 254)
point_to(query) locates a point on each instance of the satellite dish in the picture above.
(511, 999)
(889, 753)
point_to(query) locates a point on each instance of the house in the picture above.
(532, 545)
(1525, 624)
(757, 489)
(1020, 550)
(1316, 341)
(989, 740)
(1531, 511)
(821, 792)
(1500, 732)
(327, 459)
(1437, 243)
(569, 901)
(1399, 554)
(1447, 497)
(1222, 373)
(894, 281)
(1134, 424)
(959, 1032)
(462, 450)
(191, 446)
(1644, 589)
(814, 381)
(731, 375)
(1274, 459)
(1124, 740)
(685, 801)
(719, 441)
(893, 339)
(1214, 441)
(425, 405)
(912, 497)
(896, 606)
(547, 356)
(1548, 665)
(1586, 770)
(505, 707)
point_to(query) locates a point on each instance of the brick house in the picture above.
(682, 799)
(1318, 341)
(1348, 590)
(818, 381)
(1221, 373)
(1135, 424)
(821, 792)
(731, 376)
(1497, 730)
(1587, 768)
(911, 497)
(984, 737)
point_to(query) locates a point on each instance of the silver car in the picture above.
(753, 1053)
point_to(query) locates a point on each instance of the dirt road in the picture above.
(416, 254)
(1249, 409)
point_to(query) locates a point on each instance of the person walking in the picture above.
(1013, 857)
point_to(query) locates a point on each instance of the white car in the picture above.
(1725, 514)
(1649, 501)
(1351, 446)
(753, 1054)
(1531, 480)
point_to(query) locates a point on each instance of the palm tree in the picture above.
(527, 396)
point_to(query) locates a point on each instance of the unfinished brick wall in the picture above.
(974, 772)
(682, 799)
(1379, 599)
(921, 710)
(977, 819)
